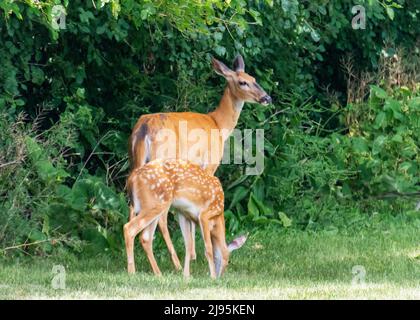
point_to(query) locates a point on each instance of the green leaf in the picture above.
(395, 106)
(43, 166)
(101, 29)
(380, 120)
(397, 138)
(379, 92)
(252, 207)
(19, 102)
(97, 241)
(220, 51)
(34, 150)
(239, 193)
(315, 36)
(48, 173)
(286, 221)
(360, 145)
(241, 179)
(46, 224)
(105, 197)
(37, 75)
(261, 207)
(414, 104)
(85, 16)
(144, 14)
(378, 144)
(390, 12)
(37, 235)
(218, 36)
(261, 220)
(258, 190)
(405, 166)
(257, 16)
(285, 5)
(80, 92)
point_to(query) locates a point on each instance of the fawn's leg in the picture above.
(132, 214)
(193, 254)
(220, 249)
(186, 225)
(133, 227)
(205, 231)
(146, 240)
(163, 227)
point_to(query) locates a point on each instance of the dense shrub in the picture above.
(63, 166)
(310, 173)
(38, 206)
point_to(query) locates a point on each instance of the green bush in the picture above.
(39, 208)
(311, 172)
(63, 166)
(385, 147)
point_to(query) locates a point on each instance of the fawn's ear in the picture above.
(236, 243)
(221, 68)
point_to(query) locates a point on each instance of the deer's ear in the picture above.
(239, 64)
(220, 68)
(236, 243)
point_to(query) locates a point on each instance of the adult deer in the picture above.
(146, 141)
(156, 186)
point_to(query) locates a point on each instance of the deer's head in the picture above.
(221, 261)
(242, 85)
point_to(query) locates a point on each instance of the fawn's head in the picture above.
(221, 262)
(242, 85)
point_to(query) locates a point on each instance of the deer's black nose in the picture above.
(266, 99)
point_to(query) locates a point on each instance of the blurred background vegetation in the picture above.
(341, 138)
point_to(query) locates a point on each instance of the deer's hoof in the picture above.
(131, 269)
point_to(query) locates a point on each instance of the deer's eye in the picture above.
(243, 83)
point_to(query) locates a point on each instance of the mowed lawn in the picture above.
(284, 264)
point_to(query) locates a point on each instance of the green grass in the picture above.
(272, 265)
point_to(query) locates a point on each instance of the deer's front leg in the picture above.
(146, 240)
(132, 214)
(205, 230)
(186, 225)
(163, 227)
(193, 254)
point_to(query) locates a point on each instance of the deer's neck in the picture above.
(227, 113)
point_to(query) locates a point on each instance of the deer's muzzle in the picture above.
(265, 100)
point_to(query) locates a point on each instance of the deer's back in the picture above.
(144, 141)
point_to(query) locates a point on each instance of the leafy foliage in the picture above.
(82, 87)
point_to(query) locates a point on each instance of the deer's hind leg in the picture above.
(135, 226)
(146, 240)
(163, 227)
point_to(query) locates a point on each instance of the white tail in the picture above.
(199, 196)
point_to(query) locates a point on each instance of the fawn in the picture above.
(157, 185)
